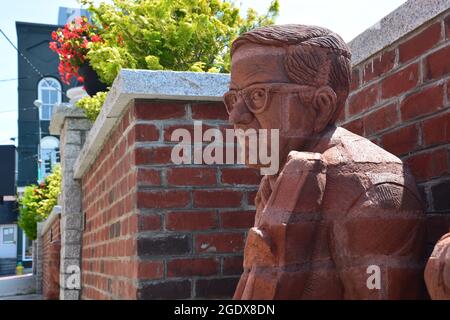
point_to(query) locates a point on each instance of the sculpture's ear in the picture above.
(324, 102)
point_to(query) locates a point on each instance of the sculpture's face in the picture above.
(262, 97)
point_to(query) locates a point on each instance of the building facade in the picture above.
(8, 210)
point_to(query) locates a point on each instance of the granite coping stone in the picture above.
(406, 18)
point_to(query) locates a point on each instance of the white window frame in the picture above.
(2, 228)
(48, 144)
(44, 82)
(24, 240)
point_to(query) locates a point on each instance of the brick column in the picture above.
(72, 126)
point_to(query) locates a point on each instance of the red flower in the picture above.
(53, 46)
(96, 38)
(71, 43)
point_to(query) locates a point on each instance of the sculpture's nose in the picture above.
(240, 113)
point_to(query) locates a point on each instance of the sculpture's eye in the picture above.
(258, 98)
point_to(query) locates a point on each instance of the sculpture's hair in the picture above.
(315, 56)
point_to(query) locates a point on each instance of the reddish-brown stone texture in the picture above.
(156, 230)
(339, 204)
(51, 246)
(412, 117)
(437, 271)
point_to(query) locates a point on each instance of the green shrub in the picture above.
(177, 35)
(38, 201)
(180, 35)
(92, 105)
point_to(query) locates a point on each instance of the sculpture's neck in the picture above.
(322, 141)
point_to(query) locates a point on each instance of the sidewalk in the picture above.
(23, 297)
(17, 285)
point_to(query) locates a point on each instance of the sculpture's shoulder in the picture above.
(362, 175)
(347, 148)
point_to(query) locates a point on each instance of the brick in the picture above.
(448, 90)
(437, 64)
(354, 84)
(440, 193)
(169, 129)
(237, 219)
(149, 222)
(402, 140)
(355, 126)
(233, 265)
(251, 196)
(379, 66)
(362, 100)
(191, 220)
(156, 155)
(158, 110)
(148, 177)
(217, 199)
(165, 290)
(381, 119)
(420, 43)
(212, 110)
(400, 81)
(215, 288)
(164, 244)
(447, 26)
(192, 267)
(437, 226)
(429, 165)
(245, 176)
(191, 176)
(163, 199)
(219, 242)
(145, 132)
(437, 130)
(423, 102)
(150, 270)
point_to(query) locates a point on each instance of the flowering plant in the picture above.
(38, 201)
(71, 43)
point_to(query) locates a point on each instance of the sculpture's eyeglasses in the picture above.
(257, 96)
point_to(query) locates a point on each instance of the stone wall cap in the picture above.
(176, 85)
(150, 85)
(60, 113)
(56, 212)
(406, 18)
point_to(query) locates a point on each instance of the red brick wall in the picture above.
(400, 100)
(51, 246)
(156, 230)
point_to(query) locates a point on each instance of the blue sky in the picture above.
(346, 17)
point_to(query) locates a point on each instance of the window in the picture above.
(49, 154)
(49, 92)
(8, 235)
(27, 248)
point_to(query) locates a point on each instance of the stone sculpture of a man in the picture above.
(341, 219)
